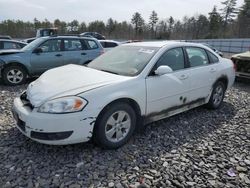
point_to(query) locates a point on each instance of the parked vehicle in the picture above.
(11, 44)
(109, 44)
(5, 37)
(132, 84)
(42, 32)
(214, 49)
(242, 64)
(93, 34)
(45, 53)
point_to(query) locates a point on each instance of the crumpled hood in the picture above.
(67, 79)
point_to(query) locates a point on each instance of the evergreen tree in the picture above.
(214, 23)
(153, 19)
(229, 11)
(139, 22)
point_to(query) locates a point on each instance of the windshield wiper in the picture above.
(109, 71)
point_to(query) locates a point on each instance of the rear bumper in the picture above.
(242, 75)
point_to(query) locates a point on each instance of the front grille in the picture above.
(26, 101)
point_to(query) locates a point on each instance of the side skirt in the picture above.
(155, 116)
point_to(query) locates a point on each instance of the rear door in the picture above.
(93, 48)
(50, 57)
(202, 73)
(75, 52)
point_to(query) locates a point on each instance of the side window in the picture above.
(173, 58)
(10, 45)
(212, 57)
(197, 56)
(72, 45)
(92, 44)
(110, 44)
(51, 45)
(103, 44)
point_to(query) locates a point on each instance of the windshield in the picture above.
(124, 60)
(33, 44)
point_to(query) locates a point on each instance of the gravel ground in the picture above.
(199, 148)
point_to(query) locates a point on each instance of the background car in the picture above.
(42, 32)
(5, 37)
(109, 44)
(11, 44)
(45, 53)
(214, 49)
(93, 34)
(129, 86)
(242, 64)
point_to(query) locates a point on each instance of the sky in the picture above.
(91, 10)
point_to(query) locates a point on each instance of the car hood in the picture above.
(243, 56)
(8, 52)
(68, 80)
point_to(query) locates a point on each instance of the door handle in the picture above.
(212, 70)
(183, 77)
(58, 55)
(83, 53)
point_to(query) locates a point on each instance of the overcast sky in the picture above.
(90, 10)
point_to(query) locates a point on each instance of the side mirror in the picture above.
(38, 50)
(164, 69)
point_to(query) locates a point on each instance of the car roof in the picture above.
(67, 36)
(160, 44)
(109, 41)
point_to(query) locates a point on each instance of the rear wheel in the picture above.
(115, 126)
(14, 75)
(217, 95)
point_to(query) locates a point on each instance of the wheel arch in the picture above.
(223, 79)
(15, 63)
(129, 101)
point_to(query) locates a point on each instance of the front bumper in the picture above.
(54, 129)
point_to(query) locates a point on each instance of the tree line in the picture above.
(228, 22)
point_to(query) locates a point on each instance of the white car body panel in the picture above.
(102, 88)
(52, 83)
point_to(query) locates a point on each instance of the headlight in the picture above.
(63, 105)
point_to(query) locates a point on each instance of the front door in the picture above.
(167, 93)
(51, 56)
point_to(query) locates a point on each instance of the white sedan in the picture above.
(131, 85)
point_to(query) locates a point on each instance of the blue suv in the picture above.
(45, 53)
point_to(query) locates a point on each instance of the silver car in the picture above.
(45, 53)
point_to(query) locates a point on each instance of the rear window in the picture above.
(212, 57)
(11, 45)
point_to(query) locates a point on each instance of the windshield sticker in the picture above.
(147, 51)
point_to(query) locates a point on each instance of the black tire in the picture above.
(18, 80)
(214, 104)
(99, 136)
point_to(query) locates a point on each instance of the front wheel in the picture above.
(217, 95)
(14, 75)
(115, 126)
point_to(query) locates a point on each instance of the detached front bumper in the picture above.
(54, 129)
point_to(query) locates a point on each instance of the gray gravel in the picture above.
(199, 148)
